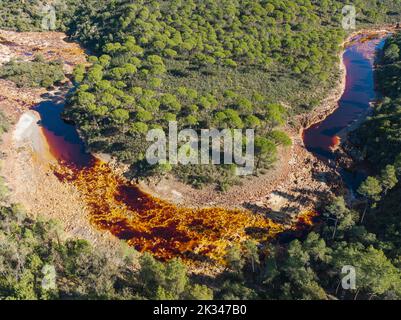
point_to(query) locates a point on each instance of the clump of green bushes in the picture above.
(34, 74)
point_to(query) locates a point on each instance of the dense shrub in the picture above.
(36, 73)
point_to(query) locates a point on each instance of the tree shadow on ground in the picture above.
(281, 217)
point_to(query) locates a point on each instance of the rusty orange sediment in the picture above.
(116, 205)
(157, 226)
(306, 219)
(335, 143)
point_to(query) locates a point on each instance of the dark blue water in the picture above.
(62, 138)
(321, 138)
(355, 101)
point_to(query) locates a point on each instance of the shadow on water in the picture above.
(63, 139)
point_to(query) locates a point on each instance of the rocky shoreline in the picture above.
(26, 160)
(300, 183)
(289, 188)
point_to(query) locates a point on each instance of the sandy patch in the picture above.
(32, 183)
(25, 45)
